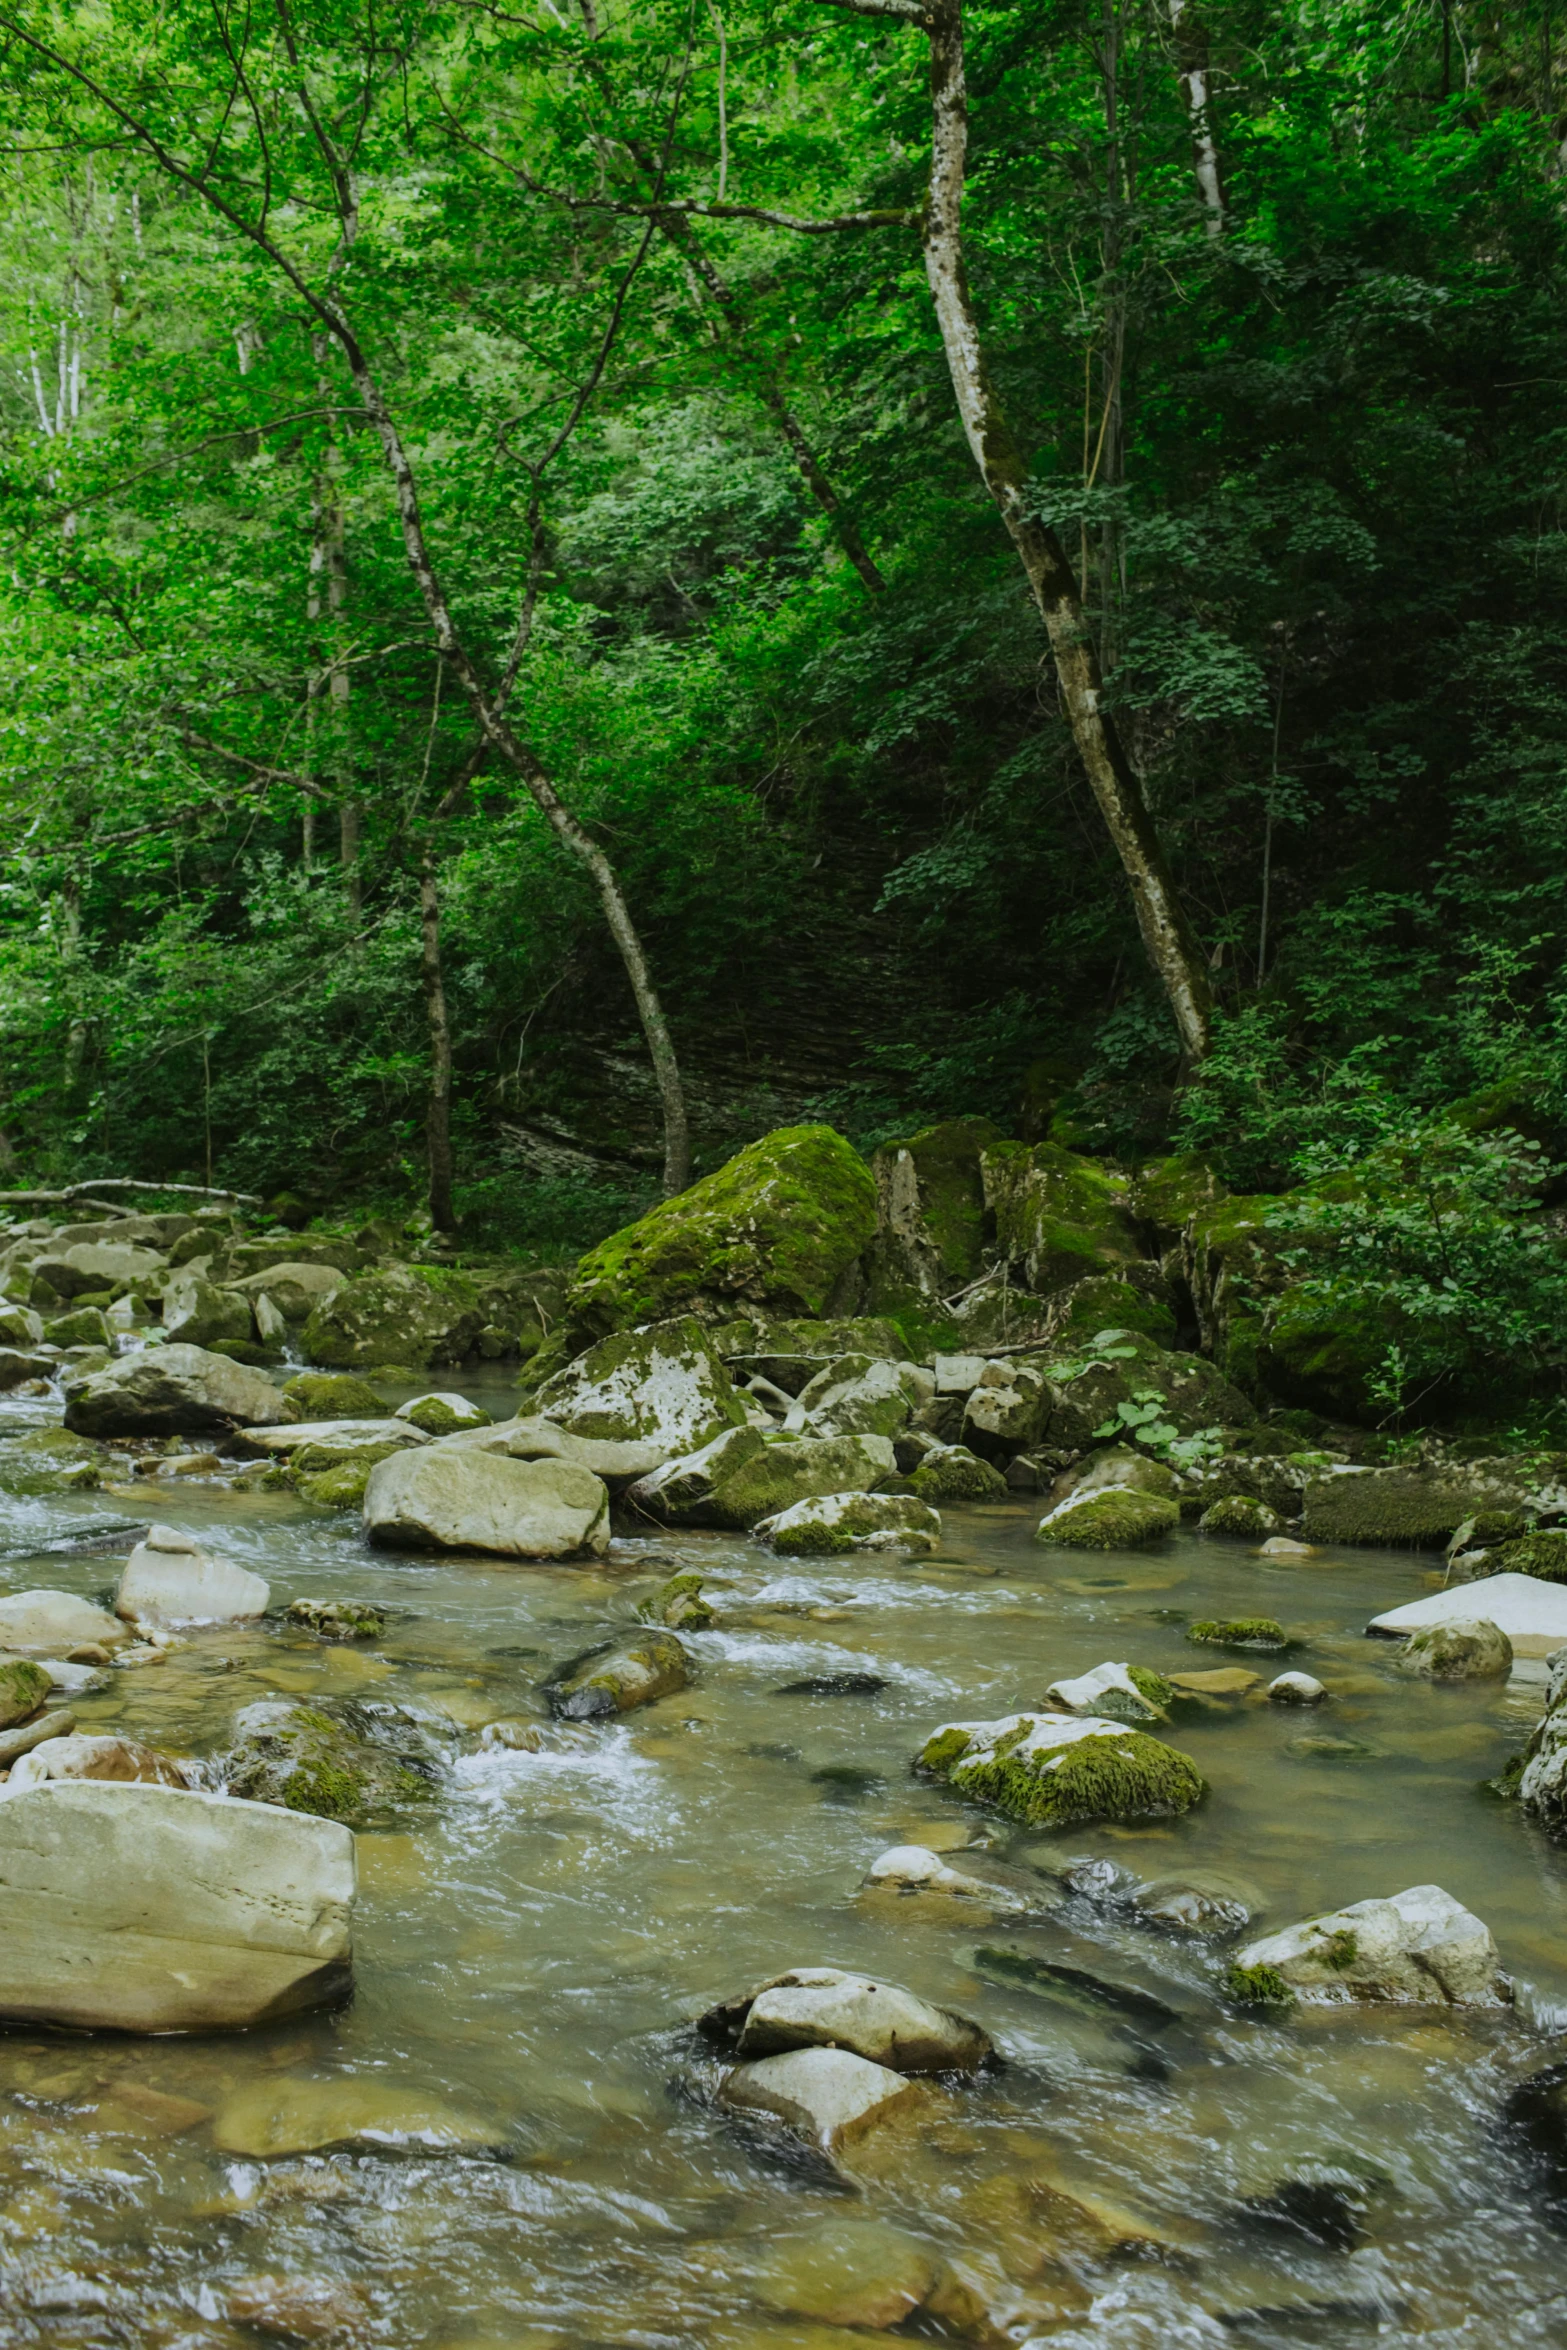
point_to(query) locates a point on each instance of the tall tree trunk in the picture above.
(1167, 934)
(326, 603)
(1191, 60)
(438, 1119)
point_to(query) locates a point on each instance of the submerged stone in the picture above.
(618, 1676)
(823, 2007)
(269, 2118)
(1052, 1770)
(357, 1761)
(828, 2095)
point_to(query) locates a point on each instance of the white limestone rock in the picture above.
(1415, 1948)
(826, 2094)
(1533, 1614)
(170, 1391)
(442, 1499)
(825, 2007)
(1108, 1689)
(52, 1623)
(157, 1909)
(170, 1579)
(341, 1436)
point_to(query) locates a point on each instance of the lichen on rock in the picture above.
(1238, 1513)
(830, 1525)
(666, 1384)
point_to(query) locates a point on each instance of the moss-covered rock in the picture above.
(1113, 1518)
(337, 1619)
(952, 1475)
(358, 1761)
(859, 1396)
(1542, 1553)
(832, 1524)
(787, 1470)
(1412, 1509)
(1057, 1770)
(1238, 1632)
(778, 1227)
(1138, 1300)
(83, 1326)
(790, 1349)
(1474, 1651)
(1122, 1384)
(1119, 1692)
(1058, 1216)
(1238, 1513)
(442, 1415)
(23, 1688)
(678, 1605)
(1233, 1271)
(1323, 1344)
(930, 1215)
(419, 1314)
(332, 1395)
(1258, 1986)
(1167, 1193)
(618, 1676)
(666, 1385)
(340, 1487)
(52, 1460)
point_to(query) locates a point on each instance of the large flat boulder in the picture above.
(53, 1623)
(296, 1290)
(1408, 1509)
(1532, 1614)
(444, 1498)
(158, 1909)
(170, 1579)
(344, 1437)
(619, 1463)
(418, 1314)
(92, 1265)
(172, 1391)
(666, 1386)
(777, 1227)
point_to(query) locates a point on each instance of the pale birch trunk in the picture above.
(1167, 934)
(1196, 78)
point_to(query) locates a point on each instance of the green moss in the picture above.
(778, 1226)
(245, 1350)
(1061, 1216)
(956, 1476)
(1153, 1686)
(1167, 1193)
(1115, 1519)
(339, 1488)
(23, 1688)
(1506, 1783)
(679, 1604)
(327, 1790)
(1106, 1302)
(1238, 1513)
(1128, 1777)
(332, 1395)
(1339, 1952)
(1258, 1986)
(437, 1417)
(317, 1460)
(1542, 1554)
(1238, 1632)
(856, 1521)
(941, 1752)
(84, 1326)
(1411, 1509)
(776, 1475)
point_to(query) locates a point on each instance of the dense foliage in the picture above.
(1309, 468)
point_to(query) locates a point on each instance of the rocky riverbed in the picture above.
(515, 2138)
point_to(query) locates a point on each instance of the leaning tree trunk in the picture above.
(438, 1118)
(1167, 933)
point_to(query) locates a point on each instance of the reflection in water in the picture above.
(1144, 2171)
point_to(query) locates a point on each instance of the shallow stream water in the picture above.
(532, 1948)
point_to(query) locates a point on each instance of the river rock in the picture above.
(1057, 1769)
(442, 1499)
(1197, 1905)
(441, 1414)
(1282, 1546)
(952, 1474)
(618, 1676)
(418, 1314)
(535, 1439)
(335, 1440)
(299, 2309)
(860, 1396)
(269, 2118)
(823, 2007)
(90, 1265)
(1418, 1947)
(23, 1688)
(914, 1868)
(1220, 1681)
(1531, 1613)
(848, 2273)
(170, 1579)
(337, 1619)
(1296, 1689)
(831, 1524)
(678, 1605)
(16, 1368)
(358, 1761)
(1114, 1468)
(87, 1326)
(1115, 1518)
(776, 1228)
(54, 1722)
(20, 1326)
(1542, 1785)
(666, 1386)
(1127, 1693)
(743, 1477)
(332, 1395)
(1010, 1408)
(198, 1313)
(1472, 1651)
(1237, 1513)
(295, 1290)
(826, 2094)
(1411, 1509)
(159, 1909)
(84, 1756)
(53, 1623)
(171, 1391)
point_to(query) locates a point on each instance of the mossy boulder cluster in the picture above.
(1055, 1770)
(355, 1761)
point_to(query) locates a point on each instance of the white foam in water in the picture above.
(601, 1769)
(815, 1657)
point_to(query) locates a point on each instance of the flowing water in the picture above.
(533, 1947)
